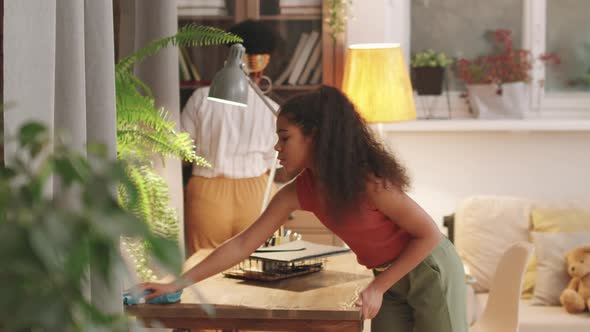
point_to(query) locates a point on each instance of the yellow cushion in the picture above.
(553, 220)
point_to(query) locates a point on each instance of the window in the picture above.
(457, 27)
(568, 36)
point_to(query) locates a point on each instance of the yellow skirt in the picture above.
(217, 209)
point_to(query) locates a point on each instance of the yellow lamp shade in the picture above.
(376, 80)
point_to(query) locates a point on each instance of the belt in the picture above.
(382, 267)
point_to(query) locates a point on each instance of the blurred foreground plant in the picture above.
(50, 237)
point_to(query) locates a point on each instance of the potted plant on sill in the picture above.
(497, 83)
(428, 68)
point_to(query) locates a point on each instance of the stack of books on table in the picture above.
(201, 7)
(284, 261)
(300, 7)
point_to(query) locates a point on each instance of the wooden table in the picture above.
(321, 301)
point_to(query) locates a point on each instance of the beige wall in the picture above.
(447, 167)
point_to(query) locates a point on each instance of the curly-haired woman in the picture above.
(356, 188)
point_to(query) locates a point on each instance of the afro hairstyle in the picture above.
(258, 38)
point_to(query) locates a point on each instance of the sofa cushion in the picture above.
(485, 226)
(552, 277)
(545, 318)
(553, 220)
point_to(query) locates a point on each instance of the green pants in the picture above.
(431, 298)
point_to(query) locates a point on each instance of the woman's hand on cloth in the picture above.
(158, 288)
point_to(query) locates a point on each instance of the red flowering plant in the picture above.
(506, 66)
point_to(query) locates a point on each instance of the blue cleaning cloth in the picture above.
(130, 299)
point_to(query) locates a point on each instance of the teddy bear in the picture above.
(576, 297)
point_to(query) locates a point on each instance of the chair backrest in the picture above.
(502, 308)
(485, 227)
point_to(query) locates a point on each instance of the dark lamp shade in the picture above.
(230, 84)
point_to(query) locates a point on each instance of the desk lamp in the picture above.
(230, 86)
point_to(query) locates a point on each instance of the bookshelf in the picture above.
(288, 27)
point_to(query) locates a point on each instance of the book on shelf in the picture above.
(202, 11)
(200, 3)
(300, 10)
(311, 63)
(191, 66)
(292, 3)
(316, 77)
(285, 74)
(303, 57)
(185, 74)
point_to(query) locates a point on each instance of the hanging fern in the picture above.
(145, 131)
(137, 115)
(189, 35)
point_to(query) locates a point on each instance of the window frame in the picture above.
(548, 104)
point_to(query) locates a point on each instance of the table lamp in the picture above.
(230, 86)
(376, 80)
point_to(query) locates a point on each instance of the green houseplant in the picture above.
(428, 69)
(47, 244)
(145, 131)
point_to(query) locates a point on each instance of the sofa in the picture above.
(482, 228)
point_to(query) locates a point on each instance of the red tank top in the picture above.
(372, 236)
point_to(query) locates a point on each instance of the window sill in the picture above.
(478, 125)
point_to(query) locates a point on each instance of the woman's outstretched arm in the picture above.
(237, 248)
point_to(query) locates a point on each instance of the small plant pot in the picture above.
(428, 80)
(487, 102)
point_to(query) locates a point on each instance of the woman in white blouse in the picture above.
(223, 200)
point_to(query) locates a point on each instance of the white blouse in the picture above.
(237, 141)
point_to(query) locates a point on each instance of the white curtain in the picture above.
(59, 70)
(156, 19)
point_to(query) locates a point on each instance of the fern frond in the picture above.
(127, 83)
(140, 141)
(137, 249)
(164, 221)
(189, 35)
(151, 207)
(137, 114)
(142, 208)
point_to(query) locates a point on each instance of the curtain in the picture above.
(59, 70)
(156, 19)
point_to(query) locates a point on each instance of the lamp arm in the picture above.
(273, 169)
(271, 177)
(262, 96)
